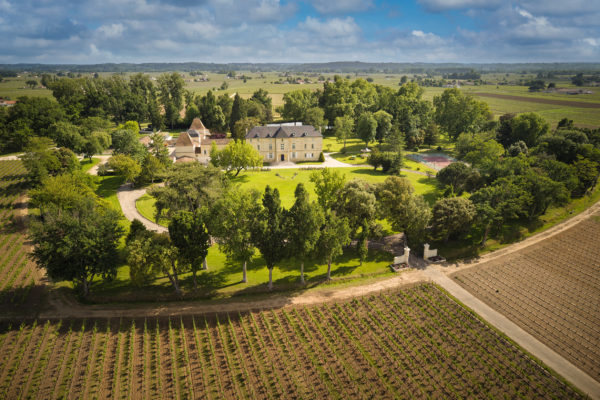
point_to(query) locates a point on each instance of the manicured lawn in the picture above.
(223, 279)
(145, 205)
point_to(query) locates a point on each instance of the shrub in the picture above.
(321, 157)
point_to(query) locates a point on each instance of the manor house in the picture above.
(286, 143)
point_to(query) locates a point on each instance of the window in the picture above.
(270, 146)
(270, 155)
(204, 152)
(304, 146)
(282, 146)
(294, 155)
(293, 146)
(312, 145)
(258, 147)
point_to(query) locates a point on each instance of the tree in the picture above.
(405, 211)
(268, 231)
(171, 96)
(158, 148)
(528, 127)
(356, 202)
(125, 166)
(126, 142)
(334, 235)
(459, 177)
(65, 191)
(151, 255)
(587, 173)
(232, 219)
(452, 216)
(238, 111)
(456, 112)
(32, 83)
(42, 161)
(188, 187)
(241, 127)
(236, 156)
(304, 220)
(66, 134)
(366, 128)
(77, 244)
(315, 116)
(432, 134)
(151, 168)
(262, 96)
(188, 232)
(384, 125)
(212, 114)
(296, 103)
(343, 129)
(328, 184)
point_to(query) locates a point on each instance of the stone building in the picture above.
(286, 143)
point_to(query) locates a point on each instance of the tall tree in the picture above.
(188, 187)
(125, 166)
(343, 128)
(457, 112)
(188, 232)
(328, 184)
(334, 235)
(384, 125)
(171, 96)
(452, 216)
(232, 221)
(304, 221)
(236, 156)
(77, 244)
(366, 128)
(238, 111)
(268, 231)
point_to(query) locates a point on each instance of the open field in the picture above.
(19, 275)
(532, 102)
(412, 343)
(550, 289)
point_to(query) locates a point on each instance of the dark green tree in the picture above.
(303, 223)
(188, 232)
(268, 231)
(334, 235)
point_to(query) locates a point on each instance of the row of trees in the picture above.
(514, 173)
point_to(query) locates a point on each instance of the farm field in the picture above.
(411, 343)
(19, 276)
(552, 290)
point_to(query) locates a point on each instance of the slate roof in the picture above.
(283, 132)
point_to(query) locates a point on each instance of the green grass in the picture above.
(223, 279)
(86, 164)
(145, 205)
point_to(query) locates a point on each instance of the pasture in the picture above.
(550, 289)
(411, 343)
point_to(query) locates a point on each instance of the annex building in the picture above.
(286, 143)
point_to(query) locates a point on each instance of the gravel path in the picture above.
(127, 196)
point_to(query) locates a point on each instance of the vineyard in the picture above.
(18, 274)
(550, 289)
(415, 342)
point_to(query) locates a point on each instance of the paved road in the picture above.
(548, 356)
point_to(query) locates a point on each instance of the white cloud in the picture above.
(111, 31)
(341, 6)
(446, 5)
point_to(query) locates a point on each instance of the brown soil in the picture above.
(567, 103)
(550, 289)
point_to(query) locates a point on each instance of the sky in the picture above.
(290, 31)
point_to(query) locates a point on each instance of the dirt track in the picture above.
(567, 103)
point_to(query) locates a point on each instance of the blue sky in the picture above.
(89, 31)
